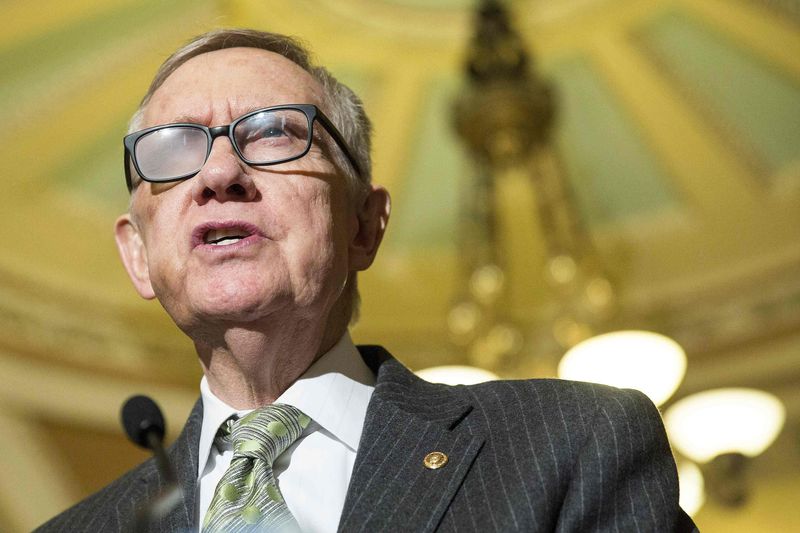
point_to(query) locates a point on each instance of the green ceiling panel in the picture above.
(613, 173)
(96, 170)
(428, 207)
(753, 103)
(45, 59)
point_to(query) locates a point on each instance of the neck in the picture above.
(251, 365)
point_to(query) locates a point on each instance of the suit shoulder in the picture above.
(553, 389)
(111, 508)
(568, 400)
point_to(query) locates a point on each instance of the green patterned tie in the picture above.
(247, 497)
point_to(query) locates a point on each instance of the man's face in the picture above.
(300, 227)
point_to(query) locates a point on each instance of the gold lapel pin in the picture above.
(435, 460)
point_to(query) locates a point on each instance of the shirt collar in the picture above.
(334, 392)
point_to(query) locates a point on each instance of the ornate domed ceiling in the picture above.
(678, 122)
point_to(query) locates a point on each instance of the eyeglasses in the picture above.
(268, 136)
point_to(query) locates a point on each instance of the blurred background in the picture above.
(560, 169)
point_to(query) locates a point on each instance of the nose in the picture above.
(223, 177)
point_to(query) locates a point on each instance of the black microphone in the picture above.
(144, 425)
(141, 417)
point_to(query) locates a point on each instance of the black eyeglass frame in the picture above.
(311, 111)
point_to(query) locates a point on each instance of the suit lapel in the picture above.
(183, 456)
(391, 489)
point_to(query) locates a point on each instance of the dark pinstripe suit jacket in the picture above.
(536, 455)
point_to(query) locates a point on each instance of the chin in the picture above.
(234, 298)
(246, 307)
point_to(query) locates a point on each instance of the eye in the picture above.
(272, 135)
(270, 126)
(264, 127)
(272, 132)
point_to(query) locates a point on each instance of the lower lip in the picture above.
(236, 246)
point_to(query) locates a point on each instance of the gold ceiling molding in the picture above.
(34, 391)
(30, 467)
(762, 31)
(716, 319)
(436, 21)
(782, 8)
(82, 397)
(49, 326)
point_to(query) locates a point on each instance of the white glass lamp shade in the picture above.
(711, 423)
(649, 362)
(692, 487)
(456, 375)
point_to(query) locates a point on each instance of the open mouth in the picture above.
(225, 236)
(221, 234)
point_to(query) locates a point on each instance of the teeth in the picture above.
(224, 236)
(226, 242)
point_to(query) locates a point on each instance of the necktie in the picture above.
(247, 497)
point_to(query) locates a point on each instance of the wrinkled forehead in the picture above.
(216, 87)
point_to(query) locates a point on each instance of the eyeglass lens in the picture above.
(171, 152)
(263, 138)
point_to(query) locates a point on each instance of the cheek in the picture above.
(314, 237)
(162, 245)
(317, 249)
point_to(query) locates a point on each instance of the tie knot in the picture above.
(267, 432)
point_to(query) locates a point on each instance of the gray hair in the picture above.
(341, 104)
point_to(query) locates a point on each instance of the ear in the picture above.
(372, 217)
(134, 255)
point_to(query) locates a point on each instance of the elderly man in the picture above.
(251, 212)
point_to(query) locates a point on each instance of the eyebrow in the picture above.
(250, 109)
(191, 119)
(194, 119)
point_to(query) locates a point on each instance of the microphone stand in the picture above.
(154, 443)
(144, 425)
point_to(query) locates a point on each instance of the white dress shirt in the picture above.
(313, 474)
